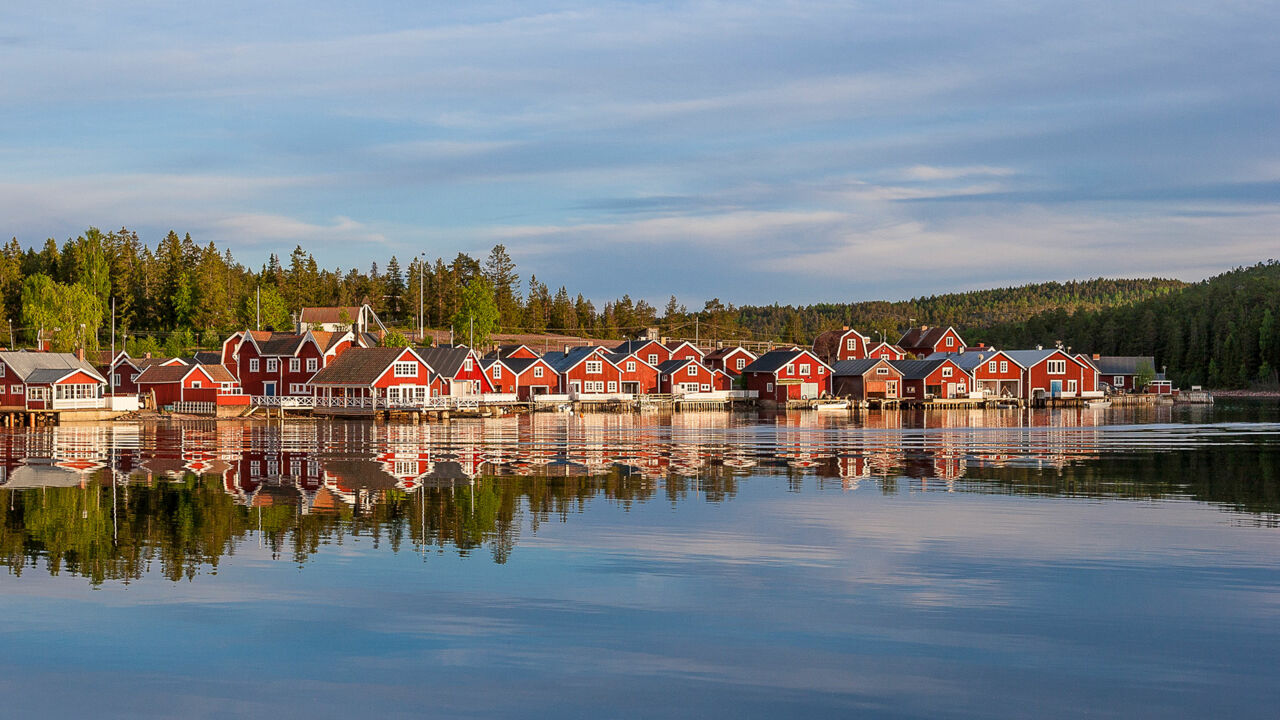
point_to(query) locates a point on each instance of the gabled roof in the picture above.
(1028, 358)
(632, 346)
(772, 360)
(970, 359)
(881, 343)
(445, 361)
(618, 358)
(564, 362)
(219, 373)
(503, 351)
(144, 363)
(329, 315)
(917, 337)
(724, 352)
(279, 344)
(675, 364)
(170, 373)
(1123, 364)
(675, 347)
(205, 357)
(519, 365)
(858, 367)
(918, 369)
(327, 340)
(49, 365)
(358, 366)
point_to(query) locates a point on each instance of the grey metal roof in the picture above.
(632, 346)
(447, 361)
(968, 360)
(562, 362)
(24, 364)
(771, 361)
(917, 369)
(856, 367)
(673, 365)
(1123, 364)
(1028, 358)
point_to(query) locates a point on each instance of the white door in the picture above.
(808, 390)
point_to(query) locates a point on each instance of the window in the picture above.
(15, 389)
(115, 379)
(613, 386)
(2, 369)
(1071, 386)
(804, 369)
(497, 371)
(946, 372)
(195, 384)
(882, 371)
(691, 370)
(255, 468)
(911, 389)
(406, 369)
(631, 366)
(951, 342)
(595, 386)
(1004, 366)
(295, 364)
(594, 367)
(706, 387)
(1057, 367)
(851, 345)
(991, 366)
(1119, 380)
(253, 365)
(297, 388)
(653, 358)
(537, 371)
(742, 362)
(313, 364)
(768, 387)
(272, 364)
(467, 365)
(960, 388)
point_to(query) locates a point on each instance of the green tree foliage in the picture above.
(477, 315)
(500, 272)
(69, 315)
(395, 339)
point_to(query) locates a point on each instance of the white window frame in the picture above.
(497, 371)
(115, 379)
(653, 358)
(1056, 367)
(1072, 386)
(805, 369)
(253, 365)
(631, 366)
(742, 362)
(467, 365)
(882, 370)
(850, 344)
(946, 371)
(1118, 380)
(951, 342)
(1004, 366)
(691, 370)
(313, 364)
(593, 367)
(537, 371)
(991, 366)
(15, 389)
(768, 387)
(613, 386)
(295, 365)
(273, 365)
(404, 369)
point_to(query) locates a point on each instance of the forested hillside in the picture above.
(970, 310)
(1220, 332)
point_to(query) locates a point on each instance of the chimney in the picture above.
(147, 356)
(845, 327)
(1096, 356)
(923, 328)
(1039, 347)
(80, 354)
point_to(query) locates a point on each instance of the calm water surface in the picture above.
(1121, 563)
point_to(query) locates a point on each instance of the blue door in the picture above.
(1055, 388)
(269, 389)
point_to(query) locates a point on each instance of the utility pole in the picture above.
(422, 314)
(259, 304)
(111, 378)
(11, 345)
(697, 326)
(471, 342)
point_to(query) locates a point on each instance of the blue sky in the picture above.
(757, 152)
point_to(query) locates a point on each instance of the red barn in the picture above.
(723, 380)
(843, 344)
(586, 370)
(925, 341)
(191, 383)
(940, 378)
(731, 360)
(782, 375)
(638, 376)
(533, 376)
(685, 375)
(866, 379)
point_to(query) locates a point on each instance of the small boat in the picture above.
(832, 405)
(1097, 404)
(564, 407)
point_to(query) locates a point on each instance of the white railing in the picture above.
(79, 403)
(283, 401)
(551, 398)
(187, 407)
(743, 394)
(498, 397)
(600, 397)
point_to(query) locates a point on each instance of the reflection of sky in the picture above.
(790, 146)
(777, 603)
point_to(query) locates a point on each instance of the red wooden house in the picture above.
(791, 374)
(512, 351)
(843, 344)
(685, 375)
(533, 376)
(723, 380)
(1055, 373)
(586, 370)
(49, 381)
(651, 351)
(191, 383)
(994, 373)
(866, 379)
(924, 341)
(638, 376)
(886, 351)
(732, 359)
(459, 368)
(940, 378)
(370, 378)
(684, 349)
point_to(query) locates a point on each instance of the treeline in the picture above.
(1221, 332)
(966, 311)
(180, 294)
